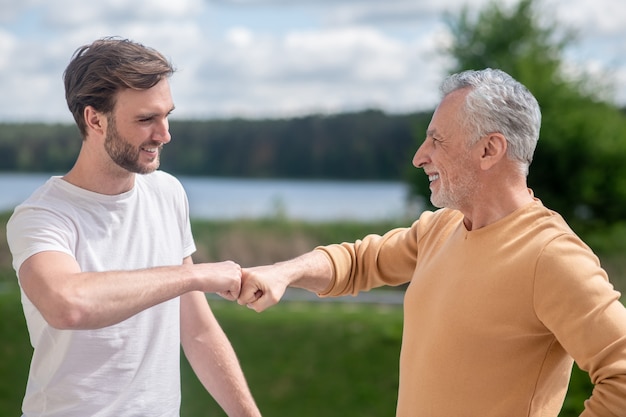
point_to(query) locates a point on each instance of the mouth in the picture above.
(151, 149)
(433, 177)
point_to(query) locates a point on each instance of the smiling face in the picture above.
(138, 128)
(447, 158)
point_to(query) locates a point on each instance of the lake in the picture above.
(229, 198)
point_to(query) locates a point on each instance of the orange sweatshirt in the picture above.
(493, 317)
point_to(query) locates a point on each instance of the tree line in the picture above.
(368, 145)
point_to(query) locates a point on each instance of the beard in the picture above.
(125, 155)
(457, 193)
(456, 198)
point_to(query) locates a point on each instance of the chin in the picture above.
(151, 167)
(143, 170)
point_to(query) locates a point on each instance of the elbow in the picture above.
(60, 297)
(67, 320)
(66, 313)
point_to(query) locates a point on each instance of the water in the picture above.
(227, 198)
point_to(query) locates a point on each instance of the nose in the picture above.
(421, 157)
(162, 133)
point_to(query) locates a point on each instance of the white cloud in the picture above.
(241, 58)
(323, 70)
(12, 10)
(597, 17)
(74, 13)
(8, 45)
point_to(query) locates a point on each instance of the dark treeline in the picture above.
(364, 145)
(38, 147)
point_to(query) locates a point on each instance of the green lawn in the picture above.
(317, 359)
(15, 351)
(304, 359)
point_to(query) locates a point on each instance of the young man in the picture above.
(103, 257)
(502, 293)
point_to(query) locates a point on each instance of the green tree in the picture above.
(578, 167)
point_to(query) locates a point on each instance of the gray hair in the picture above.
(498, 103)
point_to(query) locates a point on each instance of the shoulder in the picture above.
(45, 221)
(160, 183)
(51, 200)
(53, 189)
(437, 220)
(159, 178)
(561, 253)
(444, 215)
(163, 190)
(544, 225)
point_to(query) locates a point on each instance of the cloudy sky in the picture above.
(272, 58)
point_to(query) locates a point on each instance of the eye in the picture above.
(145, 119)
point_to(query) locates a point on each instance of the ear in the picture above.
(493, 149)
(96, 121)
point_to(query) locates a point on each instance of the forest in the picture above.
(355, 146)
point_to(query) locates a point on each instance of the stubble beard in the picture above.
(459, 194)
(125, 155)
(452, 199)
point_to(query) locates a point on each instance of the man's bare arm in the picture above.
(71, 299)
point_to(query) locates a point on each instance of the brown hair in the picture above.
(97, 72)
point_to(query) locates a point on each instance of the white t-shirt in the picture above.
(128, 369)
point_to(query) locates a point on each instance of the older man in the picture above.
(502, 293)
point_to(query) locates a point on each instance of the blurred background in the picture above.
(295, 125)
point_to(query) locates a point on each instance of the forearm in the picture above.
(608, 399)
(213, 359)
(96, 300)
(264, 286)
(312, 271)
(70, 299)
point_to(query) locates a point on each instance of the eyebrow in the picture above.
(154, 114)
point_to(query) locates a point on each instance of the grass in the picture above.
(15, 351)
(265, 241)
(308, 359)
(305, 359)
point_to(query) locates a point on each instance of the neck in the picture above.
(495, 204)
(102, 177)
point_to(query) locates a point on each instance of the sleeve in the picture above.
(171, 193)
(377, 260)
(189, 245)
(576, 302)
(32, 230)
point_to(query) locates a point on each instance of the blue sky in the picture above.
(273, 58)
